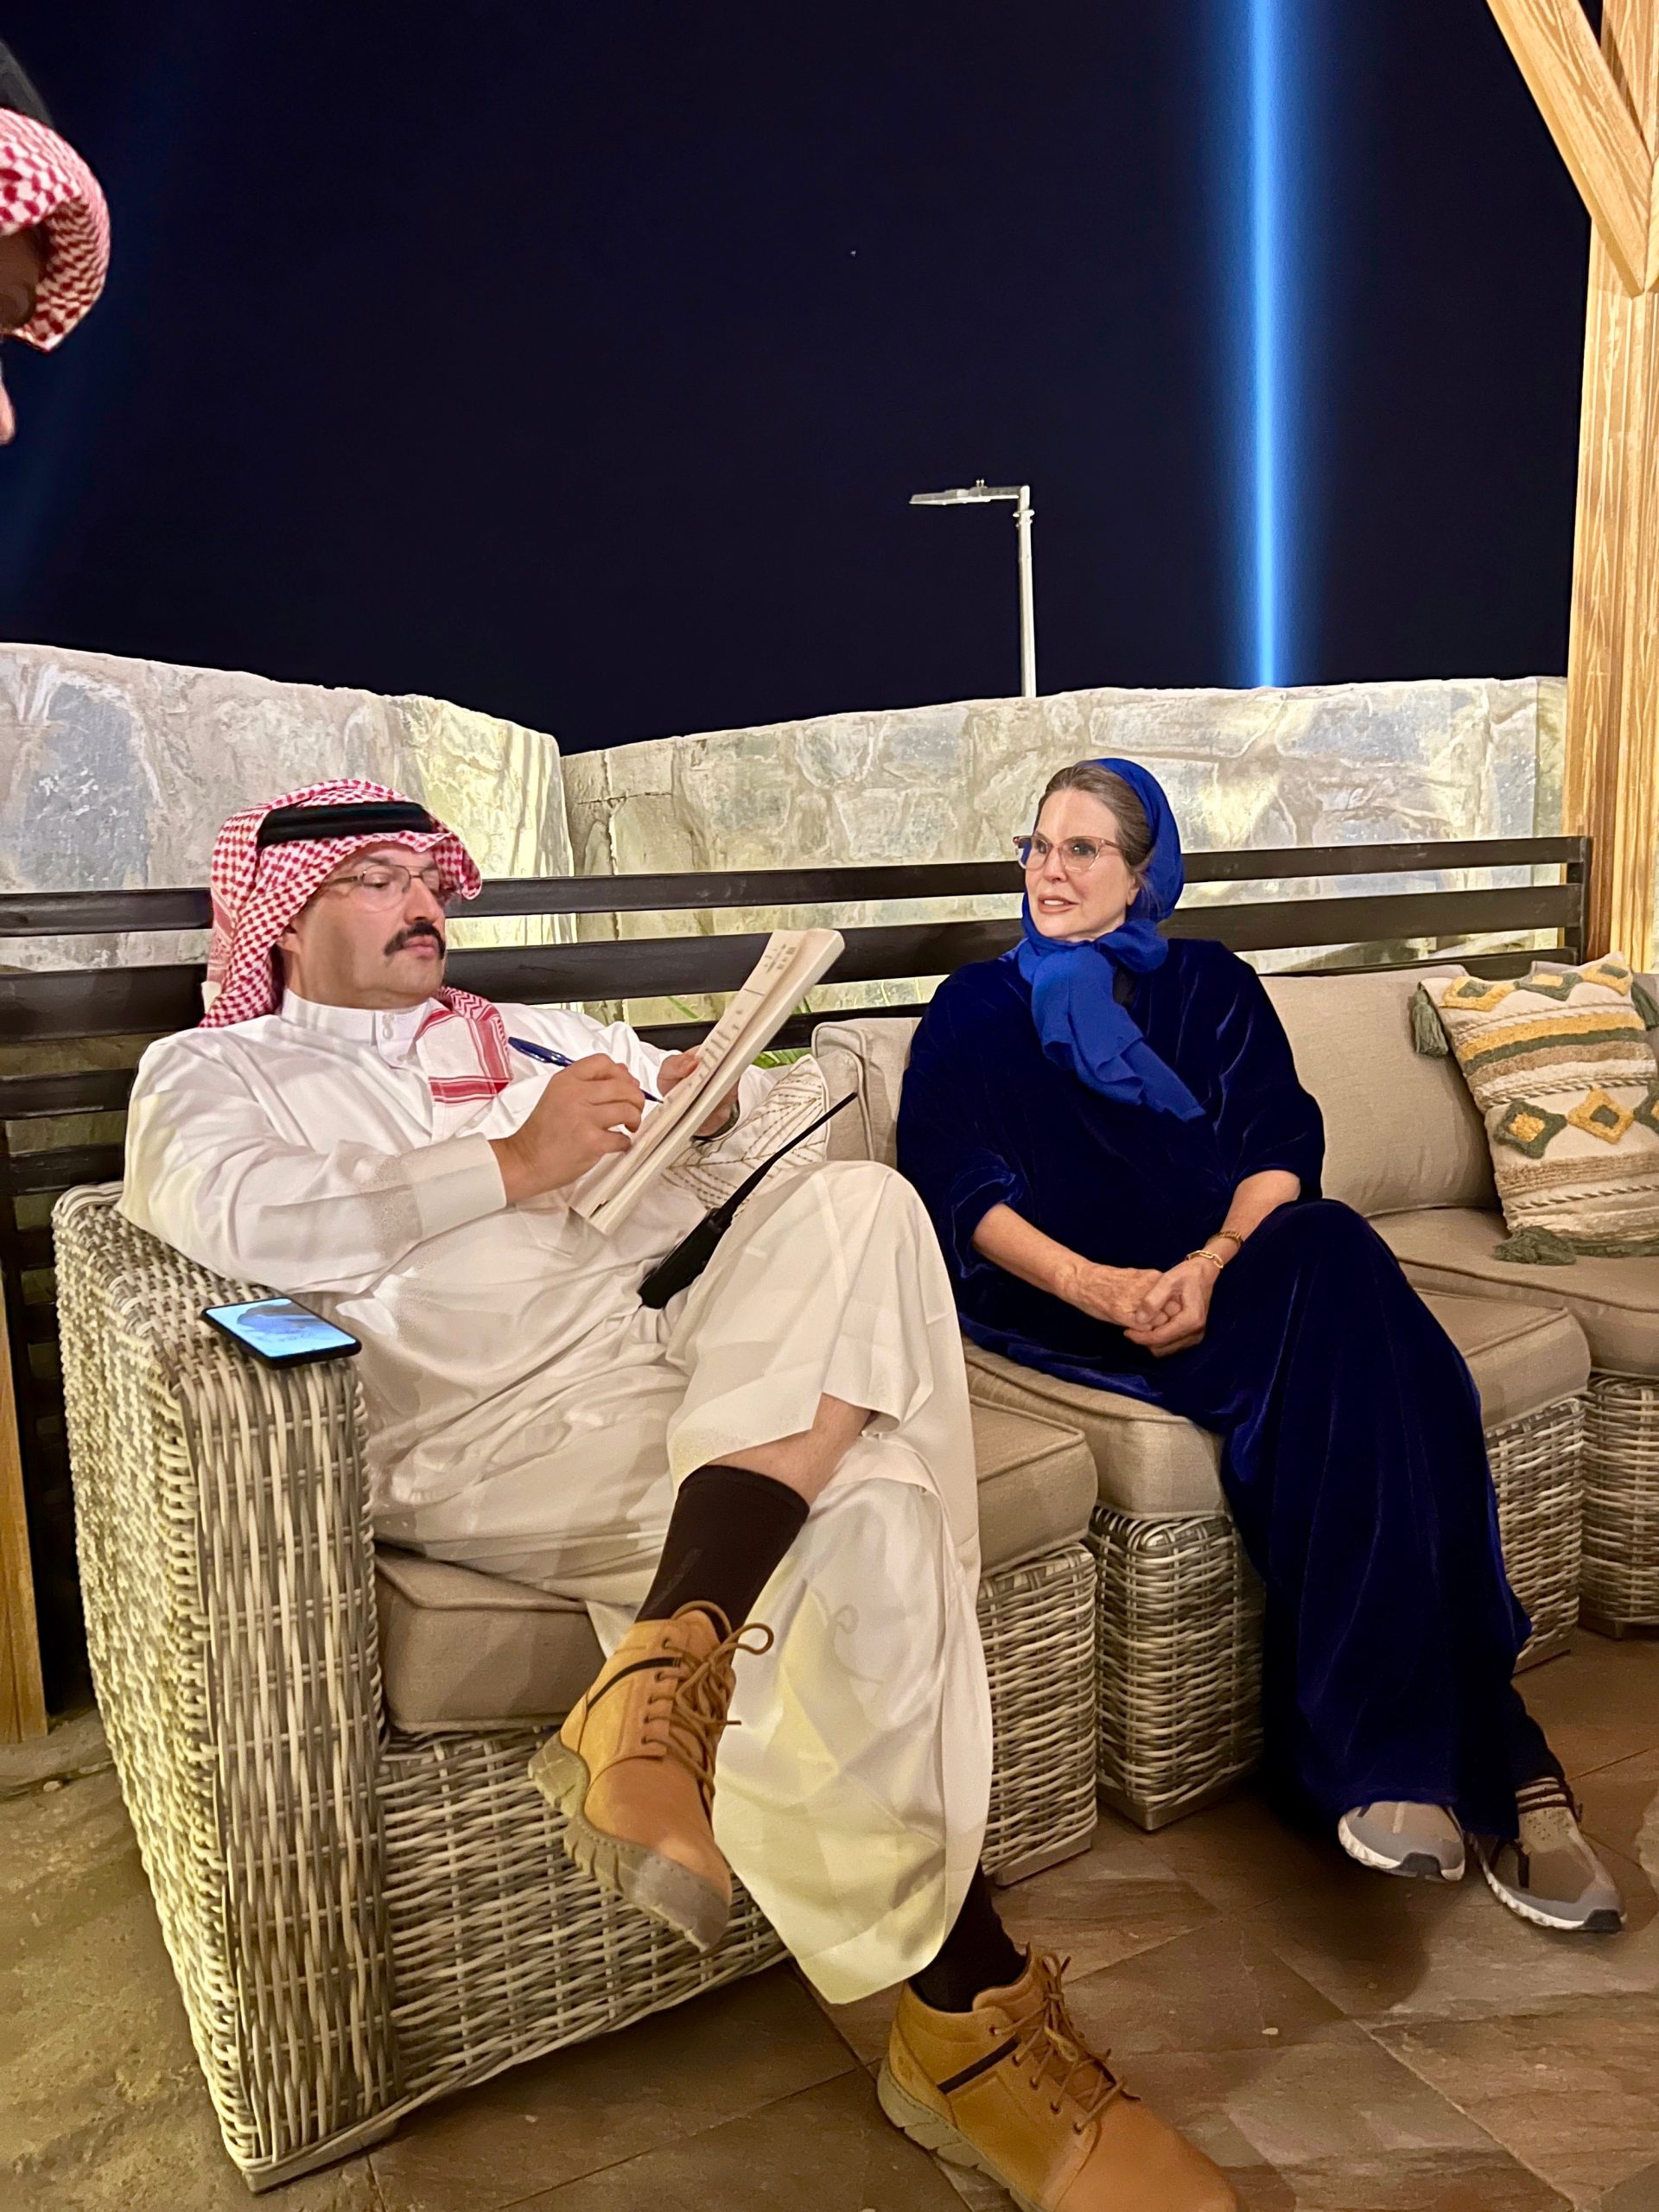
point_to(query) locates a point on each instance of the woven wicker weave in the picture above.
(1178, 1649)
(361, 1921)
(1538, 1473)
(1038, 1624)
(1178, 1637)
(1620, 1584)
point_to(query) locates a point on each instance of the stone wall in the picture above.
(1342, 764)
(1352, 764)
(116, 774)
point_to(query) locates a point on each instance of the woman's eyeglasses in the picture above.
(386, 884)
(1077, 855)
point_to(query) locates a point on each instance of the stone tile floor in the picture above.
(1340, 2043)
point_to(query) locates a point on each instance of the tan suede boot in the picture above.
(1011, 2088)
(632, 1770)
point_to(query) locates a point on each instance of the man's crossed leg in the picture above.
(984, 2065)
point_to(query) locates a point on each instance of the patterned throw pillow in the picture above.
(799, 1094)
(1561, 1069)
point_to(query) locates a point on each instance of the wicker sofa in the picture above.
(1178, 1617)
(323, 1753)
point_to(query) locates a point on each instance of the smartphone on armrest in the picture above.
(281, 1334)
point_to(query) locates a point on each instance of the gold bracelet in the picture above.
(1233, 1236)
(1214, 1258)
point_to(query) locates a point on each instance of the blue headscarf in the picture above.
(1073, 986)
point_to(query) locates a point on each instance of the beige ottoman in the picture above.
(1180, 1609)
(471, 1654)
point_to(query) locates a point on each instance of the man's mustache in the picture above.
(415, 930)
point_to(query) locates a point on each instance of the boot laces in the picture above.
(1049, 2048)
(687, 1712)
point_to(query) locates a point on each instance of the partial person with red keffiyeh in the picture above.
(764, 1493)
(54, 227)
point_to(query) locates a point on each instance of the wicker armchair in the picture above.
(361, 1920)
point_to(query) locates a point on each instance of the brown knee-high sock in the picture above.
(977, 1954)
(728, 1530)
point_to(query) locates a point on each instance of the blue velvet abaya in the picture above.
(1353, 1456)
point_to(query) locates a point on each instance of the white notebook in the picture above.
(793, 960)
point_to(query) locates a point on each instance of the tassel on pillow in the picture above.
(1536, 1248)
(1542, 1248)
(1429, 1034)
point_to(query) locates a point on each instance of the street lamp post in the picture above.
(978, 494)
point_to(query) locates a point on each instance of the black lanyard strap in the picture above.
(695, 1251)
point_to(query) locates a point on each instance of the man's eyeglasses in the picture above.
(386, 884)
(1077, 855)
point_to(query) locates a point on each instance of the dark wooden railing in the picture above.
(69, 1038)
(153, 1000)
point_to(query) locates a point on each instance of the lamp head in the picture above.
(979, 494)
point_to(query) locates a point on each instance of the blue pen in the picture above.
(558, 1060)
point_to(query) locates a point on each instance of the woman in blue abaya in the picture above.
(1123, 1170)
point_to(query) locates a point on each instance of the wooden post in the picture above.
(22, 1701)
(1612, 789)
(1603, 112)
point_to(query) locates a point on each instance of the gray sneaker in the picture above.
(1395, 1837)
(1552, 1876)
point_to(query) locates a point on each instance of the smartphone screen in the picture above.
(280, 1333)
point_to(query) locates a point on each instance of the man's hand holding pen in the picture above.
(587, 1110)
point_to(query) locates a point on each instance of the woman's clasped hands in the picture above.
(1164, 1312)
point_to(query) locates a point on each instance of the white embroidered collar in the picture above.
(391, 1032)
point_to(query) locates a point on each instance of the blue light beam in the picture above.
(1267, 394)
(1266, 285)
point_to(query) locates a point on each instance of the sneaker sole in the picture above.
(934, 2133)
(656, 1885)
(1603, 1922)
(1416, 1865)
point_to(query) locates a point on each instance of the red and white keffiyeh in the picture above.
(44, 183)
(462, 1044)
(44, 180)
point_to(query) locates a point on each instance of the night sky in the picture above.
(577, 363)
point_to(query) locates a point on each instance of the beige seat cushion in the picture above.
(1615, 1301)
(1522, 1357)
(1148, 1462)
(1036, 1485)
(1154, 1465)
(464, 1650)
(460, 1650)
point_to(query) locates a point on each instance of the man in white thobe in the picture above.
(788, 1442)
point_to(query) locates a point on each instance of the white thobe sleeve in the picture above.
(208, 1172)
